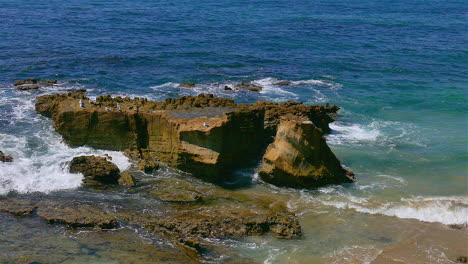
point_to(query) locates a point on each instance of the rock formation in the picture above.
(96, 170)
(300, 157)
(5, 158)
(32, 84)
(203, 135)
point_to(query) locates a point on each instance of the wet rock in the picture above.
(5, 158)
(75, 215)
(126, 179)
(248, 86)
(227, 88)
(175, 194)
(283, 83)
(147, 166)
(299, 157)
(32, 84)
(17, 207)
(187, 85)
(96, 170)
(206, 136)
(25, 81)
(26, 87)
(462, 259)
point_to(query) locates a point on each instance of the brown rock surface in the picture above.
(300, 157)
(96, 170)
(203, 135)
(17, 207)
(32, 84)
(76, 215)
(5, 158)
(126, 179)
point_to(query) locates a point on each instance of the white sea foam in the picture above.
(40, 156)
(445, 210)
(352, 133)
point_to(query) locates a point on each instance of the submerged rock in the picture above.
(17, 207)
(32, 84)
(77, 215)
(300, 157)
(204, 135)
(96, 170)
(5, 158)
(248, 86)
(187, 85)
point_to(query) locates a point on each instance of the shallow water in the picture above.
(397, 69)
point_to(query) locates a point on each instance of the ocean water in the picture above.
(398, 69)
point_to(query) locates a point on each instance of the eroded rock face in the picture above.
(5, 158)
(206, 136)
(96, 170)
(300, 157)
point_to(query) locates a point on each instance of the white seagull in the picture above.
(81, 104)
(118, 107)
(205, 124)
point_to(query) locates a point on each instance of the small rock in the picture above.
(47, 82)
(248, 86)
(462, 259)
(147, 166)
(187, 85)
(26, 81)
(126, 179)
(97, 170)
(26, 87)
(227, 88)
(17, 207)
(283, 83)
(5, 158)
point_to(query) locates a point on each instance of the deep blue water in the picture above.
(397, 68)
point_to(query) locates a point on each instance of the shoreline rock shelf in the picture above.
(204, 135)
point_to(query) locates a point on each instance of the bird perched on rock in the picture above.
(81, 104)
(205, 124)
(107, 109)
(118, 107)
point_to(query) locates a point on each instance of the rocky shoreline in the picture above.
(204, 136)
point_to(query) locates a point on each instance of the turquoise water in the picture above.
(397, 69)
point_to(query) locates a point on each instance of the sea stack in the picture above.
(169, 132)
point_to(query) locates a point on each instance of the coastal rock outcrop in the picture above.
(5, 158)
(300, 157)
(32, 84)
(96, 170)
(204, 135)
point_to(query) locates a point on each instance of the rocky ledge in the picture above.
(206, 136)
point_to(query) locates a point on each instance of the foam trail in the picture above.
(445, 210)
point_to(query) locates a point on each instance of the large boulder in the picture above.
(300, 157)
(96, 170)
(5, 158)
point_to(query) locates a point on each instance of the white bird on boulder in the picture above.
(81, 104)
(205, 124)
(118, 107)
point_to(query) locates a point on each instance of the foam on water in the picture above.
(40, 156)
(445, 210)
